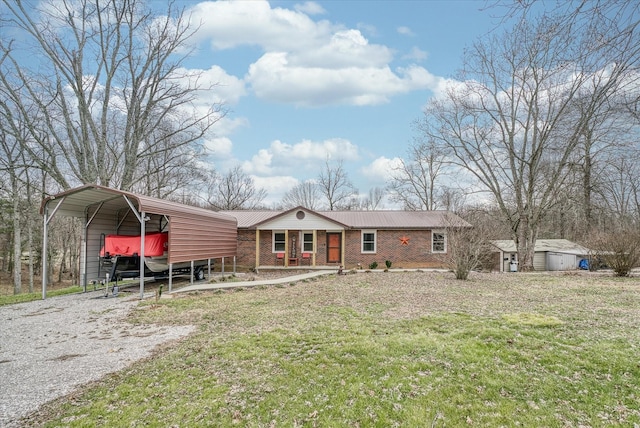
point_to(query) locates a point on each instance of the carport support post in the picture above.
(45, 243)
(45, 239)
(170, 276)
(143, 220)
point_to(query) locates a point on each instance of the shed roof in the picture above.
(392, 219)
(544, 245)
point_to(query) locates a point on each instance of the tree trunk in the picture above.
(17, 242)
(525, 244)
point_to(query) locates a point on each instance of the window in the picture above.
(278, 242)
(368, 241)
(307, 242)
(438, 242)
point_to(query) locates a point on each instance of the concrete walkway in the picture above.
(234, 284)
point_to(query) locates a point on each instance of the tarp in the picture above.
(155, 244)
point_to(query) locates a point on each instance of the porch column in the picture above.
(315, 247)
(257, 248)
(285, 262)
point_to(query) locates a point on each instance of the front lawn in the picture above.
(409, 349)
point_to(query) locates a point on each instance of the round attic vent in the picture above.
(300, 215)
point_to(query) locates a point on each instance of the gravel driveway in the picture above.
(50, 347)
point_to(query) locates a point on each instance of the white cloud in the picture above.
(276, 186)
(273, 78)
(306, 157)
(260, 163)
(310, 8)
(228, 24)
(416, 54)
(379, 171)
(347, 48)
(227, 125)
(368, 29)
(214, 84)
(405, 31)
(307, 62)
(219, 147)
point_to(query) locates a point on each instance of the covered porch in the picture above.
(297, 239)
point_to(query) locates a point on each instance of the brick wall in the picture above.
(389, 246)
(417, 252)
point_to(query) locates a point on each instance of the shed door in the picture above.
(334, 247)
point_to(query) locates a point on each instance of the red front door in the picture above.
(334, 247)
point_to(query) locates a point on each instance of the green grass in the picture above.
(382, 350)
(29, 297)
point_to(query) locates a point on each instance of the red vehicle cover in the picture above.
(155, 244)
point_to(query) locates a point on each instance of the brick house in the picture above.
(303, 237)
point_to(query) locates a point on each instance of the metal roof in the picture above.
(362, 219)
(75, 202)
(194, 233)
(544, 245)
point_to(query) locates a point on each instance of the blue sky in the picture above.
(344, 80)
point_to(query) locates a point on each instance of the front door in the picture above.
(334, 247)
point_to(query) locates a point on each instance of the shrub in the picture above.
(388, 264)
(618, 250)
(466, 251)
(373, 265)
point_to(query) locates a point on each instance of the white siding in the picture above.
(560, 261)
(310, 221)
(539, 261)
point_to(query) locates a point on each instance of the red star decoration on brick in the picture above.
(404, 240)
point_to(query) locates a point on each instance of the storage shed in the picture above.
(549, 254)
(193, 233)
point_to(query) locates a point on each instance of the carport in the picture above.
(194, 233)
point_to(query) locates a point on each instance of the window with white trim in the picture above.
(438, 242)
(279, 242)
(307, 242)
(369, 241)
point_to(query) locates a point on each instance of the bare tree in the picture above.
(336, 187)
(113, 76)
(374, 200)
(306, 194)
(415, 182)
(620, 187)
(11, 169)
(618, 248)
(235, 190)
(508, 123)
(172, 169)
(467, 247)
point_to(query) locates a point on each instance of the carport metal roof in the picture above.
(187, 222)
